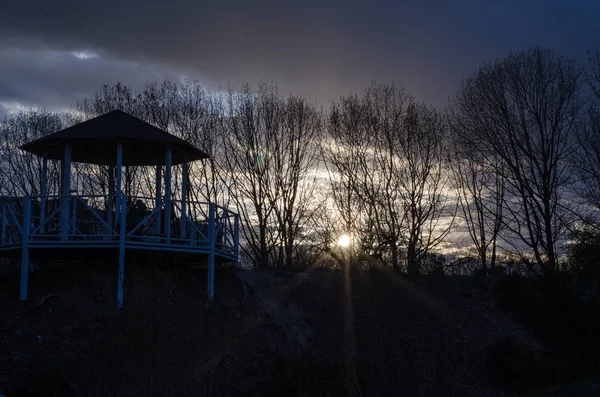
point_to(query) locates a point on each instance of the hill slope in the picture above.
(272, 332)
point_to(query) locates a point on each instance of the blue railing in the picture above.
(11, 225)
(95, 220)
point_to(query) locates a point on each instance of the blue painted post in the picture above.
(236, 235)
(158, 198)
(211, 255)
(184, 183)
(169, 164)
(43, 192)
(4, 222)
(119, 169)
(25, 249)
(65, 193)
(111, 202)
(122, 232)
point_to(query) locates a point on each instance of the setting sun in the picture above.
(344, 241)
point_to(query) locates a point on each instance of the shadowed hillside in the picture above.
(271, 332)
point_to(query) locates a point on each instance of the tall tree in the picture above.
(387, 173)
(197, 121)
(424, 184)
(480, 195)
(20, 172)
(587, 157)
(344, 156)
(295, 158)
(270, 152)
(525, 109)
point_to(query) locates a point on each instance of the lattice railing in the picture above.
(88, 218)
(11, 222)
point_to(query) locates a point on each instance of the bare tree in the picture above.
(352, 187)
(198, 120)
(21, 172)
(295, 159)
(480, 195)
(386, 150)
(424, 185)
(247, 142)
(587, 157)
(525, 109)
(270, 155)
(158, 105)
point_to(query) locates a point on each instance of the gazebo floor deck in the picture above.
(108, 251)
(77, 224)
(110, 254)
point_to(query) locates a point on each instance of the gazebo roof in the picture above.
(95, 142)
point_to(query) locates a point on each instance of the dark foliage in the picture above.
(584, 257)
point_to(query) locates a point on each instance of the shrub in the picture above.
(584, 257)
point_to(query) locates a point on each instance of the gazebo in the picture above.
(108, 226)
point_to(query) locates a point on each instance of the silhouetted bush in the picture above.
(584, 257)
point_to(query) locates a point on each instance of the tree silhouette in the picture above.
(386, 152)
(481, 190)
(525, 109)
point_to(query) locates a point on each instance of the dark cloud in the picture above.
(59, 79)
(321, 49)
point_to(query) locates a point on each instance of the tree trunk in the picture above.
(493, 259)
(289, 252)
(483, 253)
(550, 267)
(551, 264)
(263, 260)
(394, 249)
(411, 259)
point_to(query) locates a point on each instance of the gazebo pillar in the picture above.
(118, 181)
(43, 191)
(158, 200)
(121, 202)
(65, 192)
(169, 164)
(184, 185)
(110, 202)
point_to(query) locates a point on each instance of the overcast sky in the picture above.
(55, 52)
